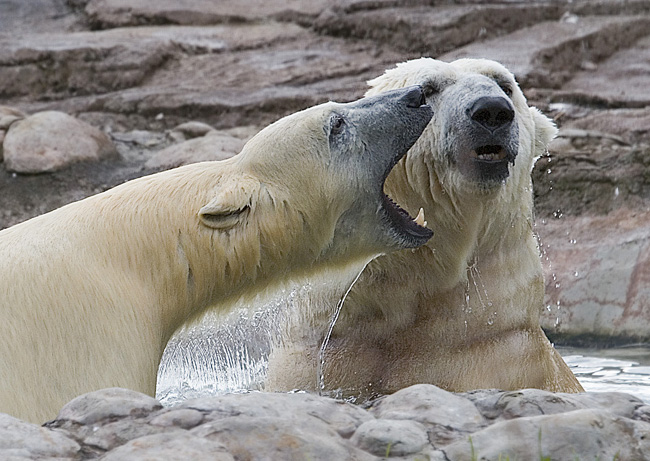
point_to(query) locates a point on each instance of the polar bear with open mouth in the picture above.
(92, 292)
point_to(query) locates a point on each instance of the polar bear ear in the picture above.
(545, 130)
(231, 203)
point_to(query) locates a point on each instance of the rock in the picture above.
(582, 433)
(107, 404)
(549, 53)
(119, 13)
(446, 416)
(391, 437)
(430, 31)
(9, 115)
(117, 424)
(597, 282)
(214, 146)
(176, 447)
(189, 130)
(50, 141)
(500, 405)
(183, 418)
(20, 439)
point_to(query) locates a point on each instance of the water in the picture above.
(622, 369)
(335, 316)
(189, 371)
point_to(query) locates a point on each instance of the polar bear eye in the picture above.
(429, 90)
(506, 88)
(336, 123)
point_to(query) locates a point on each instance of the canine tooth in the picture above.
(419, 219)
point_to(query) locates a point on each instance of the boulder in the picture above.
(216, 145)
(50, 141)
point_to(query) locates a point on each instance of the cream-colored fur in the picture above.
(92, 292)
(461, 312)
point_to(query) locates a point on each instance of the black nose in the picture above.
(492, 112)
(414, 97)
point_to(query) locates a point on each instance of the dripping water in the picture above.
(320, 373)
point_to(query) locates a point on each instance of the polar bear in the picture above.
(92, 292)
(461, 312)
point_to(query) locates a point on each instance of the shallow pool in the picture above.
(622, 369)
(195, 372)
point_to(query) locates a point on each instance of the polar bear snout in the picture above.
(489, 143)
(415, 98)
(492, 113)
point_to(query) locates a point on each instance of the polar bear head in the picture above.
(322, 171)
(482, 129)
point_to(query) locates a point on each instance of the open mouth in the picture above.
(411, 231)
(489, 153)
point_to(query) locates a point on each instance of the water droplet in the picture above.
(548, 171)
(557, 214)
(616, 192)
(573, 241)
(575, 274)
(557, 284)
(548, 307)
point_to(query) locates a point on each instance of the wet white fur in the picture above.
(462, 312)
(92, 292)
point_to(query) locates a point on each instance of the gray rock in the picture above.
(183, 418)
(9, 115)
(214, 146)
(447, 416)
(290, 436)
(22, 439)
(176, 447)
(385, 437)
(50, 141)
(588, 434)
(106, 404)
(114, 434)
(116, 13)
(189, 130)
(549, 53)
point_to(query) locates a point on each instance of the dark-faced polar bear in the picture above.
(461, 312)
(92, 292)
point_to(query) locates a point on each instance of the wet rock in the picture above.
(50, 141)
(215, 145)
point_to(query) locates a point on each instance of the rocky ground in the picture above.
(151, 85)
(420, 422)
